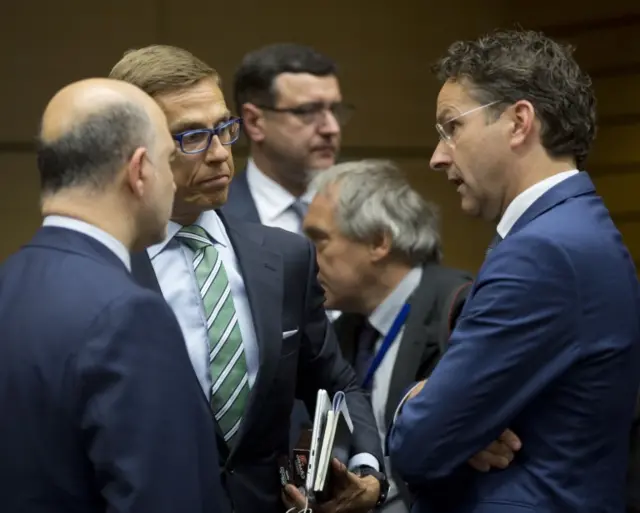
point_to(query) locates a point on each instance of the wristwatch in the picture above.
(366, 470)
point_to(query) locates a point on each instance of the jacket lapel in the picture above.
(240, 203)
(262, 273)
(572, 187)
(142, 271)
(412, 344)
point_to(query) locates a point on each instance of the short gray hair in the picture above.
(374, 198)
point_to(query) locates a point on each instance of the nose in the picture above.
(217, 152)
(441, 159)
(329, 124)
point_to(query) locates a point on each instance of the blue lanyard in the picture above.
(386, 343)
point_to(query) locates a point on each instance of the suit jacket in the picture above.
(240, 203)
(419, 346)
(100, 408)
(279, 271)
(548, 344)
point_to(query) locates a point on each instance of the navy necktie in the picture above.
(365, 352)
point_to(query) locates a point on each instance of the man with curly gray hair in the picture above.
(548, 342)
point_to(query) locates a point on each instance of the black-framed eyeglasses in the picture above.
(314, 112)
(199, 140)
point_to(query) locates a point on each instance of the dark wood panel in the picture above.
(573, 29)
(630, 232)
(620, 194)
(629, 219)
(567, 17)
(616, 145)
(608, 51)
(618, 99)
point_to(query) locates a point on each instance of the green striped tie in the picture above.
(227, 362)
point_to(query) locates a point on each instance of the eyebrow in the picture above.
(182, 125)
(444, 115)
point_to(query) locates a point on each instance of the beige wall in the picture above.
(384, 50)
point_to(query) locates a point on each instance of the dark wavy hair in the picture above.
(511, 65)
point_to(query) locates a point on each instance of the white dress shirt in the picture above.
(525, 199)
(94, 232)
(273, 201)
(382, 319)
(172, 263)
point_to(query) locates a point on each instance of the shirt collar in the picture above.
(94, 232)
(209, 220)
(383, 316)
(527, 198)
(271, 198)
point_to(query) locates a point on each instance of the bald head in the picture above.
(73, 104)
(90, 129)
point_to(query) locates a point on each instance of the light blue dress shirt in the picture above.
(172, 263)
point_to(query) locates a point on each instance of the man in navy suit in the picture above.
(548, 343)
(247, 299)
(101, 411)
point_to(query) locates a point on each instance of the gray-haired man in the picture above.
(378, 249)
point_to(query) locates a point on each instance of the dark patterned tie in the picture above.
(365, 352)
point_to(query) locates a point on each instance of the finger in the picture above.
(511, 440)
(416, 389)
(288, 502)
(342, 478)
(338, 466)
(501, 450)
(479, 463)
(495, 458)
(292, 497)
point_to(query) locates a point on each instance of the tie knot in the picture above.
(195, 237)
(300, 208)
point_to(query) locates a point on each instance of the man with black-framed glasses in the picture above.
(247, 300)
(290, 100)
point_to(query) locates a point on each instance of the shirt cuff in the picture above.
(364, 459)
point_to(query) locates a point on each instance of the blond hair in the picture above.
(158, 69)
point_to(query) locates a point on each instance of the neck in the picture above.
(383, 284)
(185, 219)
(536, 169)
(279, 173)
(98, 210)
